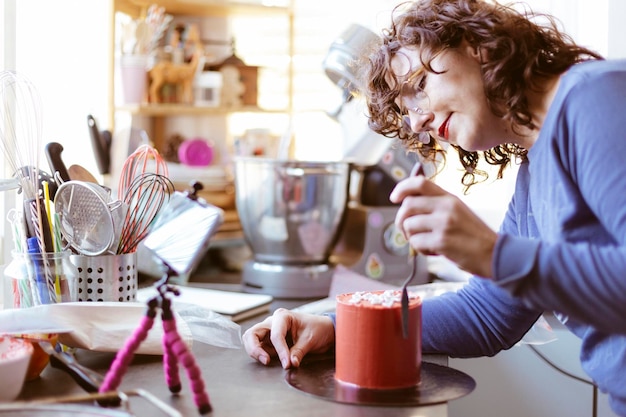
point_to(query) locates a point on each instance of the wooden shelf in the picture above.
(135, 8)
(159, 119)
(188, 110)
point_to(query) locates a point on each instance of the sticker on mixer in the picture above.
(375, 220)
(374, 267)
(394, 241)
(387, 158)
(398, 173)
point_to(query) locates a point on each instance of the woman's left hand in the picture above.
(436, 222)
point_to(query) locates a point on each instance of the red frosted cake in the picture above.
(370, 349)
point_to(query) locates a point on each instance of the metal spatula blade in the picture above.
(404, 300)
(88, 379)
(405, 295)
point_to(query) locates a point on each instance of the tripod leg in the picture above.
(170, 368)
(123, 357)
(178, 348)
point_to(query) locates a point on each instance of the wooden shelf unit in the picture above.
(135, 8)
(155, 117)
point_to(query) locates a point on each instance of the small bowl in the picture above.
(40, 359)
(15, 356)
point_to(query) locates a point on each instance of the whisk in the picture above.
(20, 129)
(20, 138)
(143, 160)
(145, 197)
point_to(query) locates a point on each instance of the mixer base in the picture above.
(287, 281)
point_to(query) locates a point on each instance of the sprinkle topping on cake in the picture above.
(382, 298)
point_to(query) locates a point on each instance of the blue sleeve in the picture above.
(479, 320)
(581, 275)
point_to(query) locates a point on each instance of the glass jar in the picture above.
(40, 278)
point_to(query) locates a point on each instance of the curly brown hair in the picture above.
(520, 52)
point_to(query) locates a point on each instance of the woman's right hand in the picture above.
(289, 335)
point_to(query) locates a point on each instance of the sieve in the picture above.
(88, 217)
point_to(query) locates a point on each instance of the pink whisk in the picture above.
(145, 197)
(143, 160)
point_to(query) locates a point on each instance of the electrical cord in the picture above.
(594, 411)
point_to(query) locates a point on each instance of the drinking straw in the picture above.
(57, 233)
(20, 289)
(40, 229)
(16, 219)
(20, 285)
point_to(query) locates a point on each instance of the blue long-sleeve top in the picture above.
(562, 244)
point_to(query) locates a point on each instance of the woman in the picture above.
(485, 78)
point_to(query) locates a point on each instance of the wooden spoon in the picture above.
(79, 173)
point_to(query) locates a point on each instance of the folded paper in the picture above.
(105, 326)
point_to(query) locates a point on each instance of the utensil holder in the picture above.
(41, 278)
(107, 277)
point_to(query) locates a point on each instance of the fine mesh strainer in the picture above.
(86, 218)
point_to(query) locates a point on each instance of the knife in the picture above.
(100, 144)
(53, 154)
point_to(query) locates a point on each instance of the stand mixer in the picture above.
(290, 212)
(301, 219)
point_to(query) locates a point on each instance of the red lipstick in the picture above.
(443, 129)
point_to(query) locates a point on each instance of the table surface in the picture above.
(236, 384)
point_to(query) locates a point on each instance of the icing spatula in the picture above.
(404, 300)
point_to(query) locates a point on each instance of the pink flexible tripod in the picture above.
(174, 350)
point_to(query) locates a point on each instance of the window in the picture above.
(62, 47)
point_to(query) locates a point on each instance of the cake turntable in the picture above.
(438, 384)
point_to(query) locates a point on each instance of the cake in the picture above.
(371, 351)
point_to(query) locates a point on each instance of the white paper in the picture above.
(101, 326)
(228, 303)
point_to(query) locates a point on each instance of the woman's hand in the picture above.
(289, 335)
(436, 222)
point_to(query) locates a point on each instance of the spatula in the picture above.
(404, 300)
(88, 379)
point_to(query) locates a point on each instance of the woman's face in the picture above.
(456, 110)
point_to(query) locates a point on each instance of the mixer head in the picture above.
(381, 161)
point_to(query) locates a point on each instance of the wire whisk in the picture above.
(143, 160)
(20, 129)
(20, 138)
(145, 197)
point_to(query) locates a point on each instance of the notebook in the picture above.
(235, 305)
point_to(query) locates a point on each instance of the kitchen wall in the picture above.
(519, 383)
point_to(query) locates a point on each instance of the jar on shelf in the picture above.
(40, 278)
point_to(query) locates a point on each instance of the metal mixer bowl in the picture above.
(290, 211)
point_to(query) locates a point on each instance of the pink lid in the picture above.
(195, 152)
